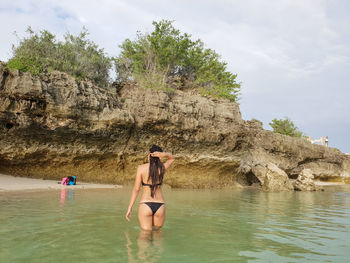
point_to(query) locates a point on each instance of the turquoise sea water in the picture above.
(201, 226)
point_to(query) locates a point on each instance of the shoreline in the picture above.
(323, 183)
(13, 183)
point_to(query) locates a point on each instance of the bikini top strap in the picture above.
(149, 184)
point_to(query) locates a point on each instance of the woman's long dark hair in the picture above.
(156, 169)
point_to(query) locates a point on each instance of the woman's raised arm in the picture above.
(161, 155)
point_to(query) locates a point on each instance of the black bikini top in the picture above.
(143, 184)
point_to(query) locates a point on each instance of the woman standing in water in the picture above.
(150, 177)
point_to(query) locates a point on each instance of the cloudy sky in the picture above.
(292, 56)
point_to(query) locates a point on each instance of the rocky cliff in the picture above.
(53, 127)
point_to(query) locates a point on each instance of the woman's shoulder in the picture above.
(143, 166)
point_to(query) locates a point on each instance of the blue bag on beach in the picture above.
(72, 180)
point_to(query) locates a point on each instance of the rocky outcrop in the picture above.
(54, 126)
(271, 177)
(305, 182)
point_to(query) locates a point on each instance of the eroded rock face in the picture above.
(305, 181)
(272, 178)
(54, 126)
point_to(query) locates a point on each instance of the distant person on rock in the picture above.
(326, 141)
(150, 177)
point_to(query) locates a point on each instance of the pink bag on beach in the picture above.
(65, 181)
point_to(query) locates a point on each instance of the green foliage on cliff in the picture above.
(42, 53)
(285, 126)
(166, 58)
(163, 59)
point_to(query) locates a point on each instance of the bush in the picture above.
(285, 126)
(42, 53)
(165, 56)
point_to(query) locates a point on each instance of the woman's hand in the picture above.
(157, 154)
(128, 214)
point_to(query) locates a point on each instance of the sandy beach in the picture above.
(322, 183)
(12, 183)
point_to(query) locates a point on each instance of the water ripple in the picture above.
(201, 226)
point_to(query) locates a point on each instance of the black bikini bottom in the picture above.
(154, 206)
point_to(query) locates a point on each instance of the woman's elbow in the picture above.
(171, 159)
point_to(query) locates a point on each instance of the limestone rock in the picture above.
(53, 125)
(305, 181)
(271, 177)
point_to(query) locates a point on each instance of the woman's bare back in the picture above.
(146, 190)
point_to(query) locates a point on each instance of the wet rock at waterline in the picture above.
(305, 181)
(54, 126)
(271, 177)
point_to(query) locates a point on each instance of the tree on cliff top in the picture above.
(166, 56)
(42, 53)
(285, 126)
